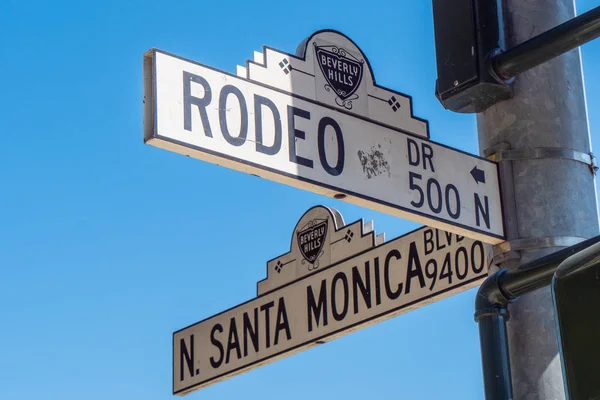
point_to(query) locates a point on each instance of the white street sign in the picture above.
(319, 122)
(336, 279)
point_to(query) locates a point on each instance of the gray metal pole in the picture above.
(548, 189)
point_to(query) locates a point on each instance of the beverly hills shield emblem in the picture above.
(342, 71)
(311, 239)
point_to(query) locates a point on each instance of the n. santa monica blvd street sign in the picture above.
(335, 279)
(319, 122)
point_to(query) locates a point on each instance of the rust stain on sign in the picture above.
(373, 162)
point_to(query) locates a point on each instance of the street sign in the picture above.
(335, 279)
(319, 122)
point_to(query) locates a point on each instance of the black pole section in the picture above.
(496, 366)
(491, 313)
(548, 45)
(538, 273)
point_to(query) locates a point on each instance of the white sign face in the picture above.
(304, 302)
(321, 238)
(319, 122)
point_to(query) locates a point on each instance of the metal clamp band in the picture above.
(545, 152)
(507, 250)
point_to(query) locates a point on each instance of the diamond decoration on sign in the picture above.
(285, 66)
(394, 103)
(349, 236)
(278, 267)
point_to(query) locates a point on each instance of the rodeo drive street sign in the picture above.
(318, 121)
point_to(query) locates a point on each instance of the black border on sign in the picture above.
(501, 194)
(320, 338)
(302, 58)
(330, 210)
(155, 135)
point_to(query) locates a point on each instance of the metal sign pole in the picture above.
(551, 199)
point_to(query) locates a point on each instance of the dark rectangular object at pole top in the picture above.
(467, 32)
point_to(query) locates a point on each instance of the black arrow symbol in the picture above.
(478, 175)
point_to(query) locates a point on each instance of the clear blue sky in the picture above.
(107, 245)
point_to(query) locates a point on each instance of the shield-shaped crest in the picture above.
(311, 239)
(342, 71)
